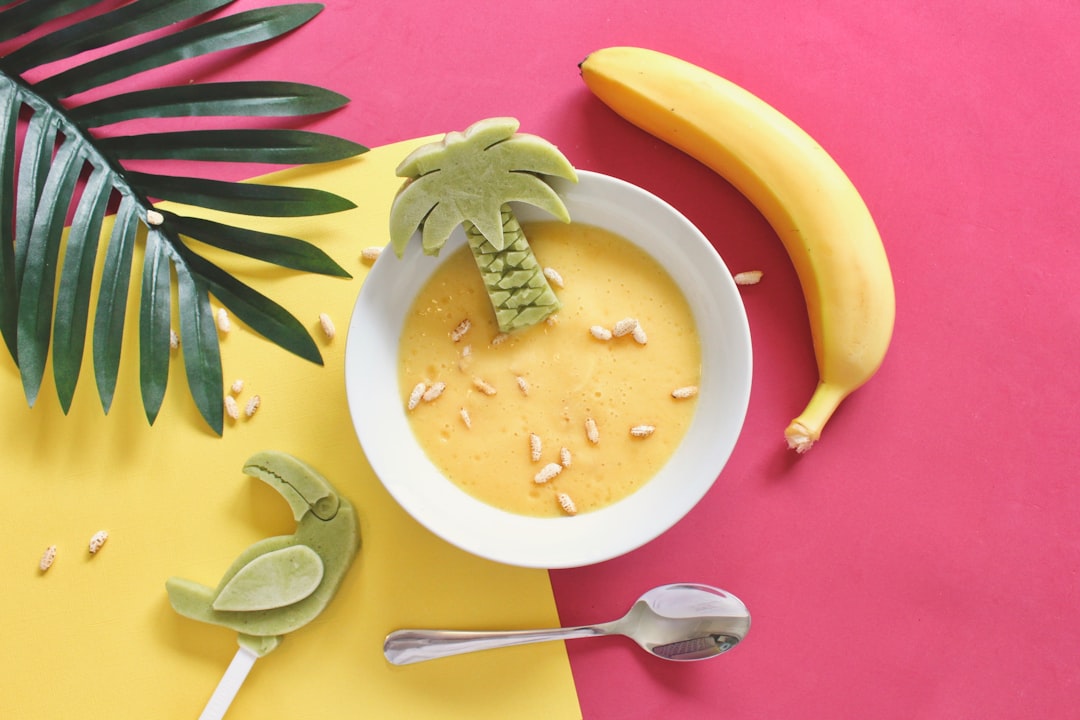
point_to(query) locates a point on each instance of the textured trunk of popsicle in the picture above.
(520, 293)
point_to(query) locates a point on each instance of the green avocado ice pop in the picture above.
(469, 178)
(281, 583)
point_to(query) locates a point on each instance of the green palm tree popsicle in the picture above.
(469, 178)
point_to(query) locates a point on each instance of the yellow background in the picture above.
(94, 637)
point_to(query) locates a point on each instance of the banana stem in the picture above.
(805, 430)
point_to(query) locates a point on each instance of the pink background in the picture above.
(922, 560)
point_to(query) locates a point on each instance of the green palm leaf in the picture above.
(53, 167)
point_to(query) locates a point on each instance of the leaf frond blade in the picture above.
(285, 147)
(222, 99)
(281, 250)
(112, 300)
(76, 277)
(243, 198)
(155, 316)
(201, 350)
(9, 116)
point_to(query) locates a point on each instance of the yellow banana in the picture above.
(808, 200)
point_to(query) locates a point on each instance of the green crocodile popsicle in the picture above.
(469, 178)
(281, 583)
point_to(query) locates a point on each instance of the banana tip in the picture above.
(799, 438)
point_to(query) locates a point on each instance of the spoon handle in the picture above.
(404, 647)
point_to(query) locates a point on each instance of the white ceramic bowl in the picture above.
(377, 407)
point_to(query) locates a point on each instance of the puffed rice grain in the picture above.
(223, 322)
(553, 276)
(231, 408)
(47, 558)
(97, 540)
(535, 447)
(591, 431)
(547, 472)
(433, 392)
(327, 326)
(484, 386)
(749, 277)
(687, 391)
(567, 504)
(417, 395)
(459, 332)
(600, 332)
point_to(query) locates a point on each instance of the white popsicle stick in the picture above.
(229, 684)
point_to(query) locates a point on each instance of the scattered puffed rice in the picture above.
(370, 254)
(682, 393)
(466, 419)
(600, 332)
(749, 277)
(97, 540)
(500, 338)
(327, 326)
(433, 392)
(523, 385)
(223, 322)
(553, 276)
(252, 405)
(547, 472)
(564, 457)
(591, 431)
(639, 335)
(174, 339)
(154, 218)
(535, 447)
(231, 408)
(417, 395)
(624, 327)
(567, 504)
(484, 386)
(459, 332)
(237, 386)
(48, 558)
(642, 431)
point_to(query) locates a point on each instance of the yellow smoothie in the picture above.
(493, 401)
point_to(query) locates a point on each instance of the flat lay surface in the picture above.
(920, 561)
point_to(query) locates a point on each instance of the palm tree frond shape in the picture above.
(469, 178)
(52, 166)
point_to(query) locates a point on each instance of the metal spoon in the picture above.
(675, 622)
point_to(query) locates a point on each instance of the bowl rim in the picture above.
(381, 425)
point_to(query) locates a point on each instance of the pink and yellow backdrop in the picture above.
(920, 562)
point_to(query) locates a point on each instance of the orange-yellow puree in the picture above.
(570, 375)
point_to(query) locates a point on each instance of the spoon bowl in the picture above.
(681, 622)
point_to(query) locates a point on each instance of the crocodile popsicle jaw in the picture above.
(301, 486)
